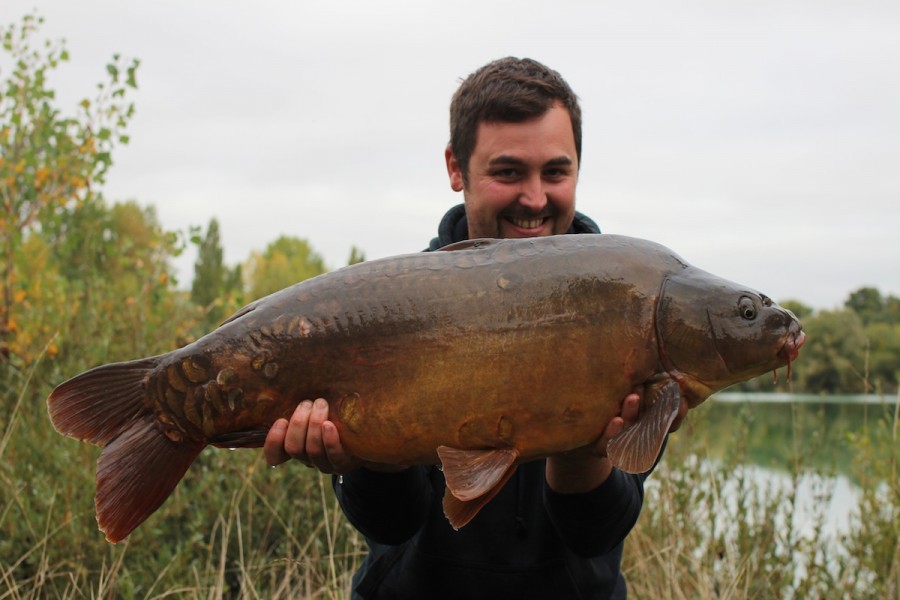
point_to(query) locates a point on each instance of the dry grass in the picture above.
(238, 529)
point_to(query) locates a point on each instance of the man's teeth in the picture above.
(527, 223)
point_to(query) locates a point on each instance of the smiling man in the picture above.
(556, 528)
(521, 177)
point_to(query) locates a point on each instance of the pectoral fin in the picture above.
(473, 477)
(636, 448)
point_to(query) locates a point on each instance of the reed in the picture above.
(712, 528)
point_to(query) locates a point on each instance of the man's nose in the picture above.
(532, 195)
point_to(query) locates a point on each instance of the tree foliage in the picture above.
(216, 288)
(50, 164)
(835, 357)
(356, 256)
(284, 262)
(800, 310)
(849, 350)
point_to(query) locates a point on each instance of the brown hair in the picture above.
(508, 90)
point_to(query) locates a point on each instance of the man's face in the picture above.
(522, 177)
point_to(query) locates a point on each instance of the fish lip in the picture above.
(791, 348)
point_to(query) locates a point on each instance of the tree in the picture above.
(356, 256)
(49, 163)
(215, 287)
(834, 359)
(868, 304)
(892, 309)
(102, 285)
(285, 261)
(800, 310)
(884, 356)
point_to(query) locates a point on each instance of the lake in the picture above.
(801, 441)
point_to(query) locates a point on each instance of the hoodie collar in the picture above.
(455, 228)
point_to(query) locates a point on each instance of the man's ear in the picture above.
(453, 170)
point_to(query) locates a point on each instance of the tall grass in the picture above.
(235, 528)
(712, 528)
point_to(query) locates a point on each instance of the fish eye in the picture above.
(747, 308)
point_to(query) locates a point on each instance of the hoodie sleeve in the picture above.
(595, 522)
(388, 508)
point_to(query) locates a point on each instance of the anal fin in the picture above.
(635, 449)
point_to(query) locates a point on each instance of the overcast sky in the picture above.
(759, 140)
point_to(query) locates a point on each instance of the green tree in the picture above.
(215, 287)
(868, 303)
(884, 356)
(892, 309)
(50, 163)
(103, 284)
(800, 310)
(356, 256)
(284, 262)
(834, 359)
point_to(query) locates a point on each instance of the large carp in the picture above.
(482, 357)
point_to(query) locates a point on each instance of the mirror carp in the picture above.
(479, 357)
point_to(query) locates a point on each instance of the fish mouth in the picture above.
(791, 350)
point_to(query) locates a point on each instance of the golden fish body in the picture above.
(504, 349)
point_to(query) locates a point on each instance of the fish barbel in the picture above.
(480, 357)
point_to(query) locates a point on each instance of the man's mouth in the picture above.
(532, 223)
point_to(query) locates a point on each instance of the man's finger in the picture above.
(631, 407)
(315, 447)
(295, 439)
(334, 450)
(273, 448)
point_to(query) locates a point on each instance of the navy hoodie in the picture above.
(527, 542)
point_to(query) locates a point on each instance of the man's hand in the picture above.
(679, 418)
(310, 438)
(631, 410)
(583, 469)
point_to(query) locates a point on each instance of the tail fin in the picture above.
(139, 466)
(136, 473)
(100, 404)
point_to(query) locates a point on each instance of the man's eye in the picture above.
(506, 173)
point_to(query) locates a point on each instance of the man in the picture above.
(557, 527)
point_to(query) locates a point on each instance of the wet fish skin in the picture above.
(481, 357)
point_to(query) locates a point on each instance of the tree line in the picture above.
(854, 349)
(85, 281)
